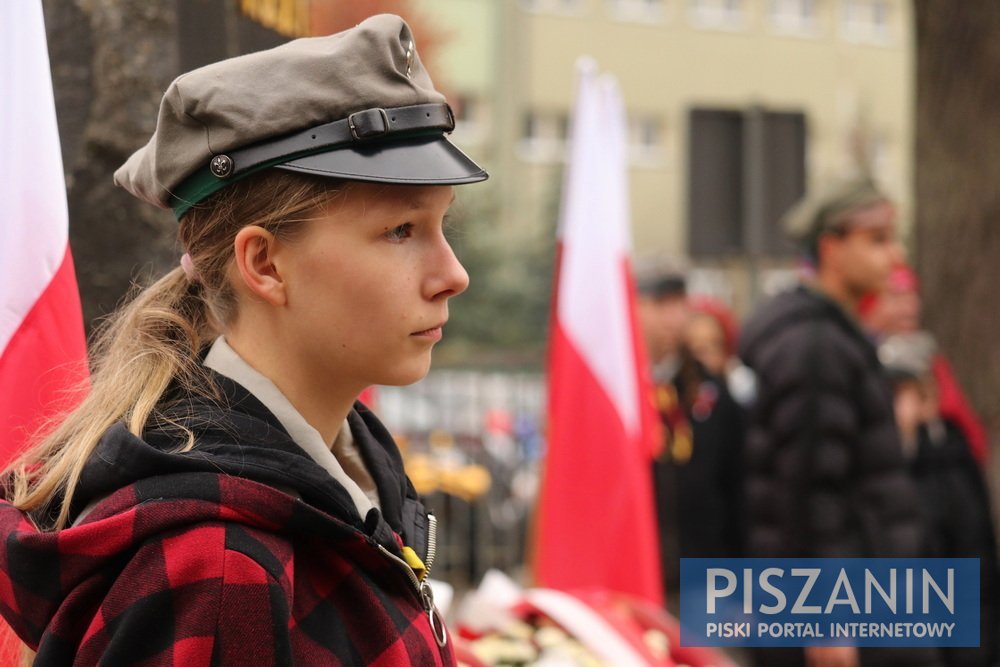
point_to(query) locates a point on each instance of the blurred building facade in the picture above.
(735, 107)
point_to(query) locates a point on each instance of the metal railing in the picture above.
(455, 428)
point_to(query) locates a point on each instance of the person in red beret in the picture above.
(897, 310)
(711, 336)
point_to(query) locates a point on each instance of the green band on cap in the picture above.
(203, 183)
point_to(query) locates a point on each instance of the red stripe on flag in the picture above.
(43, 364)
(649, 415)
(596, 520)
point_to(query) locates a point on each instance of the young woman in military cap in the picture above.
(220, 497)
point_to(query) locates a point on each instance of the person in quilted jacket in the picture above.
(220, 497)
(826, 475)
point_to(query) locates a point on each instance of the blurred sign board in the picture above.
(286, 17)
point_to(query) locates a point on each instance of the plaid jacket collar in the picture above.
(239, 436)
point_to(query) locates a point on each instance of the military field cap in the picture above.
(908, 355)
(660, 276)
(356, 105)
(829, 209)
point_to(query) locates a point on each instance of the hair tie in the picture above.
(189, 270)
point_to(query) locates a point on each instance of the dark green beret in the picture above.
(828, 210)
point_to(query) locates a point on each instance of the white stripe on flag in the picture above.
(34, 225)
(594, 231)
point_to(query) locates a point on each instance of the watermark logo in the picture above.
(829, 601)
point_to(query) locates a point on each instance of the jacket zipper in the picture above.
(432, 541)
(423, 588)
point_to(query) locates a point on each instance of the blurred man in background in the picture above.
(826, 473)
(698, 472)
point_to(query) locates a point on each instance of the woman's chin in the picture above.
(408, 374)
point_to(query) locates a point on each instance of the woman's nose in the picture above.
(450, 277)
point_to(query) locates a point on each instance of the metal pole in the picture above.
(755, 177)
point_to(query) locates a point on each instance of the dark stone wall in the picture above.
(111, 60)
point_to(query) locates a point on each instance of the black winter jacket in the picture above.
(956, 505)
(826, 473)
(700, 497)
(826, 477)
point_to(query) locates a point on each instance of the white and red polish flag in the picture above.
(42, 344)
(596, 524)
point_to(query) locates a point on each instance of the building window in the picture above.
(543, 136)
(554, 6)
(724, 14)
(531, 127)
(866, 21)
(745, 169)
(643, 11)
(794, 16)
(877, 155)
(646, 140)
(880, 19)
(470, 119)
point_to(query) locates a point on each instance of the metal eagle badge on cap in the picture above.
(410, 51)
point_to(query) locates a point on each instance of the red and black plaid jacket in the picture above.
(240, 552)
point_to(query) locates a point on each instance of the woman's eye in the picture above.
(401, 232)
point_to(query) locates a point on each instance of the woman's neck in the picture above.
(323, 407)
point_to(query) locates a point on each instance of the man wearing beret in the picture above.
(826, 476)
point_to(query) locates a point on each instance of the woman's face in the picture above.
(707, 342)
(663, 320)
(368, 285)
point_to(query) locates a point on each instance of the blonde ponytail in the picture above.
(154, 341)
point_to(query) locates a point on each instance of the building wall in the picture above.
(518, 57)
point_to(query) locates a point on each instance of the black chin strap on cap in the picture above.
(361, 127)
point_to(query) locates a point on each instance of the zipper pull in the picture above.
(438, 628)
(425, 593)
(426, 596)
(417, 565)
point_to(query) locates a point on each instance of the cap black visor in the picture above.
(416, 161)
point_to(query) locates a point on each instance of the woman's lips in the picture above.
(433, 333)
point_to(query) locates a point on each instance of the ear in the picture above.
(826, 249)
(254, 248)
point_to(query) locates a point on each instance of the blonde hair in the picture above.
(153, 342)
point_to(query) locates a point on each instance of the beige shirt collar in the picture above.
(359, 484)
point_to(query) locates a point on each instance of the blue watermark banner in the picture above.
(829, 601)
